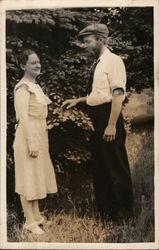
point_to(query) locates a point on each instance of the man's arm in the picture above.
(73, 102)
(117, 99)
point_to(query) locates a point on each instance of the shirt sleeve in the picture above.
(117, 74)
(21, 100)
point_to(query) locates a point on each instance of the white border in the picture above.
(31, 4)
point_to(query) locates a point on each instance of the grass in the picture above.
(70, 227)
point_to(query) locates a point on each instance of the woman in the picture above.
(34, 172)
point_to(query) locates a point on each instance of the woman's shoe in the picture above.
(43, 221)
(33, 228)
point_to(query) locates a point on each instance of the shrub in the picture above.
(65, 72)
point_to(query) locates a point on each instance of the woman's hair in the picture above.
(24, 56)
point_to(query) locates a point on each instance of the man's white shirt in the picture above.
(109, 74)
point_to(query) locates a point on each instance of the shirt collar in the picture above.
(106, 51)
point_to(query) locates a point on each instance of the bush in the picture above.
(65, 72)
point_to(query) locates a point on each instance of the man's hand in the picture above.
(109, 133)
(49, 126)
(70, 103)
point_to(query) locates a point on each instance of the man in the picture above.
(106, 92)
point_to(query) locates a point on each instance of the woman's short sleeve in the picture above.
(22, 96)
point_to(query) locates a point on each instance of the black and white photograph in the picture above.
(79, 124)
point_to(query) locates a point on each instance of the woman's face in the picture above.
(32, 66)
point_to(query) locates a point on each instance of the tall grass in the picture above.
(70, 227)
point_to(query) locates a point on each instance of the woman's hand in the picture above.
(109, 133)
(70, 103)
(33, 151)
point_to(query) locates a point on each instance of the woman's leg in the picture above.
(36, 211)
(30, 223)
(28, 209)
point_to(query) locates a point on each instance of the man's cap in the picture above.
(97, 28)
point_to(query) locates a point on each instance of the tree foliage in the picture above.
(52, 33)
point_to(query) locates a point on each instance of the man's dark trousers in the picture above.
(111, 173)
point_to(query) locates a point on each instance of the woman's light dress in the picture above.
(34, 177)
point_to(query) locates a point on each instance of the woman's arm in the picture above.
(22, 97)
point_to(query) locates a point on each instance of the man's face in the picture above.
(92, 44)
